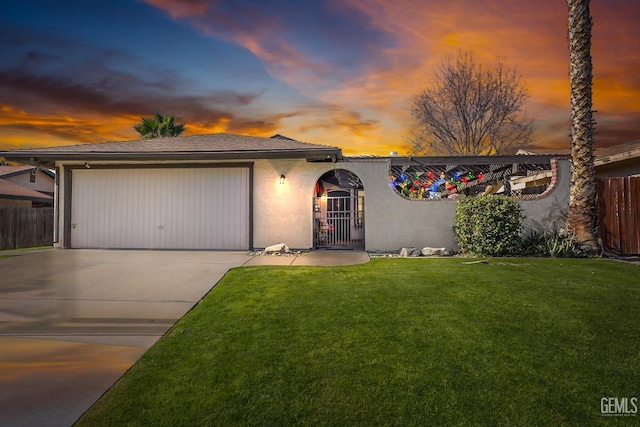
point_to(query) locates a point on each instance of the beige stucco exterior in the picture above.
(391, 221)
(283, 213)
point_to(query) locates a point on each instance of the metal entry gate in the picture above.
(339, 221)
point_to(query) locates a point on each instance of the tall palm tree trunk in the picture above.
(582, 217)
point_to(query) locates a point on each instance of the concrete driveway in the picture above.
(74, 321)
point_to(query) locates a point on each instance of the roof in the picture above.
(544, 151)
(193, 147)
(617, 153)
(458, 160)
(603, 156)
(10, 190)
(8, 171)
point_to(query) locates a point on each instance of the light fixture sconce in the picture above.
(281, 179)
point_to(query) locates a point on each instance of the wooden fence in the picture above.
(619, 214)
(25, 227)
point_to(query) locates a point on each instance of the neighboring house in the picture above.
(14, 195)
(41, 180)
(618, 177)
(233, 192)
(618, 160)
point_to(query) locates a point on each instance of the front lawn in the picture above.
(395, 342)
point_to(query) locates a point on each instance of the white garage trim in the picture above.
(159, 207)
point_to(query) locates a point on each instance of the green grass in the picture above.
(8, 253)
(395, 342)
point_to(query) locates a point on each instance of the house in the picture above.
(26, 186)
(34, 178)
(235, 192)
(14, 195)
(617, 160)
(617, 170)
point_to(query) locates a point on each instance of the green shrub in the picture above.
(488, 225)
(553, 244)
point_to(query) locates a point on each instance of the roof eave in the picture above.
(473, 160)
(618, 157)
(27, 171)
(40, 157)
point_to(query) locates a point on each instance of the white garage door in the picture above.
(160, 208)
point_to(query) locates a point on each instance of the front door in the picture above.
(339, 220)
(339, 217)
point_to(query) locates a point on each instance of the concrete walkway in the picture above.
(72, 322)
(322, 257)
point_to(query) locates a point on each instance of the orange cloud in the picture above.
(358, 104)
(19, 129)
(529, 36)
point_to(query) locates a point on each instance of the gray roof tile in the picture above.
(214, 146)
(13, 190)
(218, 142)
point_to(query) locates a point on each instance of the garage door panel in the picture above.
(180, 208)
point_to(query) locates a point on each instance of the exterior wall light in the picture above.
(281, 179)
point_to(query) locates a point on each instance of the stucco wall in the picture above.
(548, 212)
(393, 222)
(283, 213)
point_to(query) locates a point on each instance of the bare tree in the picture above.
(583, 213)
(469, 110)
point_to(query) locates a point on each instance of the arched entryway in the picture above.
(338, 211)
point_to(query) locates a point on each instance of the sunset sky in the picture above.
(336, 72)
